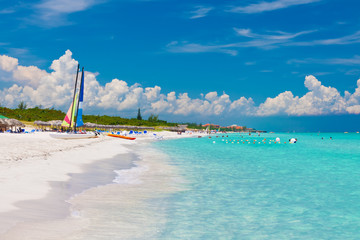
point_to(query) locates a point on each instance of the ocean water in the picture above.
(224, 187)
(263, 190)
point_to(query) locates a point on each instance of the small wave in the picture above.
(130, 176)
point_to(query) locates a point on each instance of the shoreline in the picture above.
(55, 179)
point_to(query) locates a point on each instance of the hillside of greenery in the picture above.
(46, 114)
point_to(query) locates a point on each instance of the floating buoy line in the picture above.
(242, 140)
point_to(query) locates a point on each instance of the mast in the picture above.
(72, 109)
(80, 99)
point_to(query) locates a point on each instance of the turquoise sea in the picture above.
(236, 190)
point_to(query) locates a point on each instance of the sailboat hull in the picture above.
(73, 135)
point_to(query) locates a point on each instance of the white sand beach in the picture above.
(53, 188)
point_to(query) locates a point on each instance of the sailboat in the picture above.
(73, 117)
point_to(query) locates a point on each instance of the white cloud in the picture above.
(200, 12)
(185, 47)
(55, 89)
(64, 6)
(279, 35)
(355, 60)
(8, 63)
(270, 6)
(345, 40)
(264, 41)
(53, 13)
(319, 100)
(271, 40)
(30, 75)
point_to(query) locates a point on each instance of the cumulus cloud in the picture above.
(55, 88)
(8, 63)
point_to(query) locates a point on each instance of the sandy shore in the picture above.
(47, 181)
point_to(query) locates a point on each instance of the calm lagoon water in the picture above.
(236, 190)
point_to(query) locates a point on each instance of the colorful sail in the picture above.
(79, 120)
(69, 119)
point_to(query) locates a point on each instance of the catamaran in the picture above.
(73, 117)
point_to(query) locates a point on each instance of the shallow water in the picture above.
(307, 190)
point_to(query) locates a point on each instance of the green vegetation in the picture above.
(194, 125)
(153, 118)
(32, 114)
(47, 114)
(139, 115)
(22, 105)
(23, 113)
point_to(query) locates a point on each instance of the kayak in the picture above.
(121, 136)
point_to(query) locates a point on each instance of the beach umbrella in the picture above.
(90, 125)
(41, 123)
(14, 122)
(55, 122)
(3, 122)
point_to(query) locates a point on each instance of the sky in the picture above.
(276, 65)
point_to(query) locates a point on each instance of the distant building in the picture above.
(212, 125)
(235, 127)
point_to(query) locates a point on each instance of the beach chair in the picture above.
(157, 137)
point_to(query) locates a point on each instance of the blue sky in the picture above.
(254, 54)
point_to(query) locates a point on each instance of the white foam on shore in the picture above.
(130, 176)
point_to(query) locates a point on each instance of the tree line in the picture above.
(23, 113)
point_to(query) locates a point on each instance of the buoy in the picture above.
(213, 141)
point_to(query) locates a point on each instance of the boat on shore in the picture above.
(120, 136)
(73, 135)
(73, 117)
